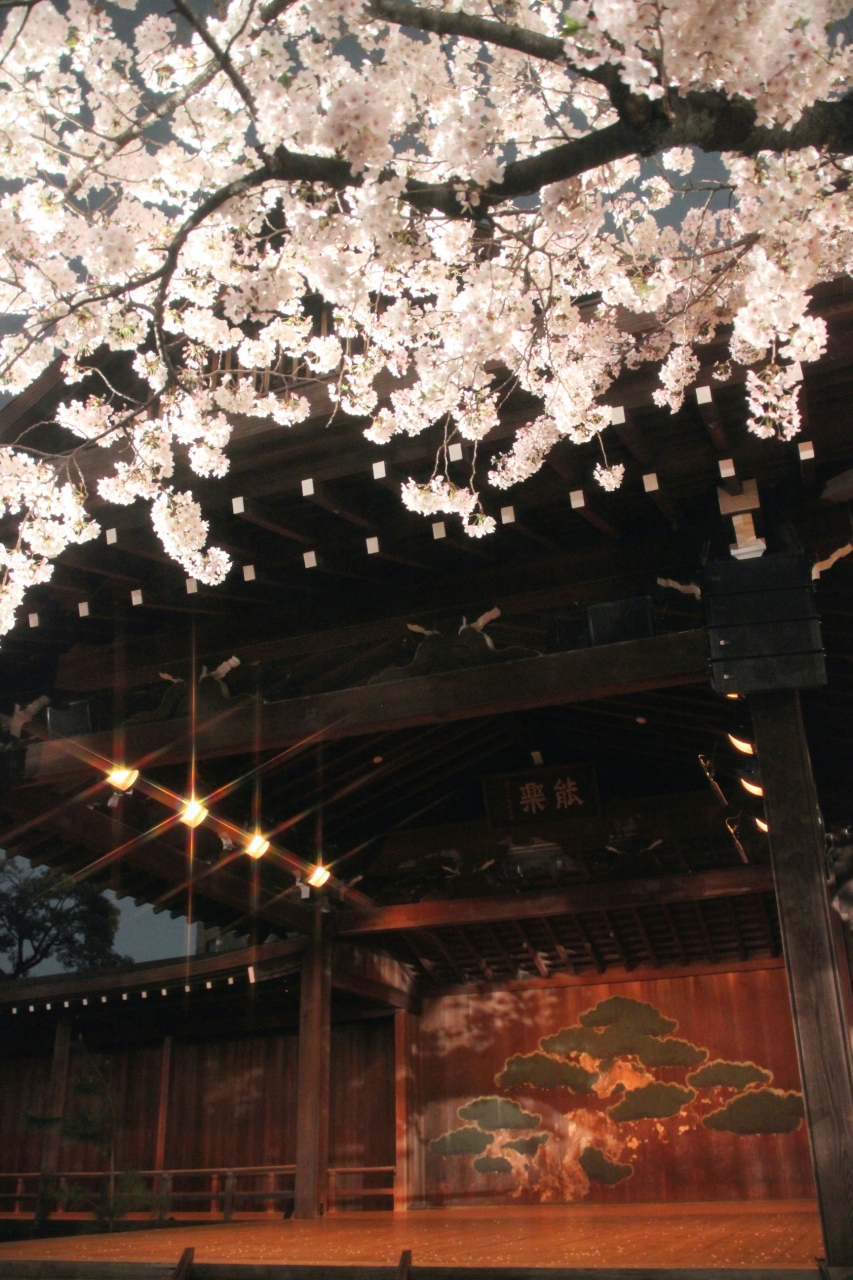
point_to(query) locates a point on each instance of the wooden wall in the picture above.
(232, 1102)
(23, 1090)
(462, 1078)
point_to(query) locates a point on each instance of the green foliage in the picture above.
(86, 1127)
(498, 1113)
(469, 1141)
(492, 1164)
(47, 916)
(729, 1075)
(759, 1111)
(596, 1166)
(527, 1146)
(131, 1194)
(624, 1028)
(544, 1072)
(652, 1101)
(632, 1015)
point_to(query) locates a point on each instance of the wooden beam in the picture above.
(458, 912)
(579, 675)
(251, 516)
(312, 1104)
(712, 418)
(72, 986)
(158, 856)
(360, 972)
(823, 1045)
(632, 435)
(89, 667)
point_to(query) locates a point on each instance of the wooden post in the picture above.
(823, 1046)
(55, 1109)
(402, 1107)
(312, 1094)
(161, 1184)
(163, 1105)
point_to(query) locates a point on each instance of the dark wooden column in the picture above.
(312, 1094)
(55, 1109)
(823, 1046)
(163, 1105)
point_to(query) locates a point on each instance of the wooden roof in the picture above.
(363, 767)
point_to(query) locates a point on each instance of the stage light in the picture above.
(762, 825)
(193, 813)
(754, 788)
(734, 696)
(257, 846)
(122, 779)
(741, 744)
(319, 876)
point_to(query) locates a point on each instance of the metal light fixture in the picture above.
(122, 779)
(762, 825)
(319, 875)
(741, 744)
(257, 846)
(754, 788)
(193, 813)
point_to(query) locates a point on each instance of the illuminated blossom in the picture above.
(315, 229)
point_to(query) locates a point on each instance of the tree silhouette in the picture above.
(44, 916)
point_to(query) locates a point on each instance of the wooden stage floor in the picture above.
(752, 1234)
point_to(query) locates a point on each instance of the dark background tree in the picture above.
(44, 916)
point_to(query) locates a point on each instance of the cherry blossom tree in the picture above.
(474, 194)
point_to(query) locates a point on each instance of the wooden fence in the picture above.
(219, 1194)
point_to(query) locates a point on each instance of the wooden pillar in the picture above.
(55, 1110)
(402, 1108)
(823, 1046)
(312, 1091)
(163, 1105)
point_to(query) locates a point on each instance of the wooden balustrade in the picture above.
(220, 1193)
(365, 1191)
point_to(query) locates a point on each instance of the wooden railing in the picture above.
(217, 1193)
(340, 1190)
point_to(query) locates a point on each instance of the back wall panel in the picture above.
(658, 1089)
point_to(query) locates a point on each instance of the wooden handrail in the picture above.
(222, 1188)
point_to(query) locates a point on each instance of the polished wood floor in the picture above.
(763, 1234)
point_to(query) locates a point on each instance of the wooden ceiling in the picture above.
(302, 633)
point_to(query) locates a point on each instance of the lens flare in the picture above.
(122, 779)
(257, 846)
(193, 813)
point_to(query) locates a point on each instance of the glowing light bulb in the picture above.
(257, 846)
(754, 788)
(762, 825)
(122, 779)
(193, 813)
(741, 744)
(319, 876)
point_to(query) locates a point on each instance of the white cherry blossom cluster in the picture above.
(311, 192)
(610, 478)
(771, 395)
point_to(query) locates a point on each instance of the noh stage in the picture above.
(756, 1237)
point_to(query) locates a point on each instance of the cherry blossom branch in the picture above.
(222, 56)
(443, 22)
